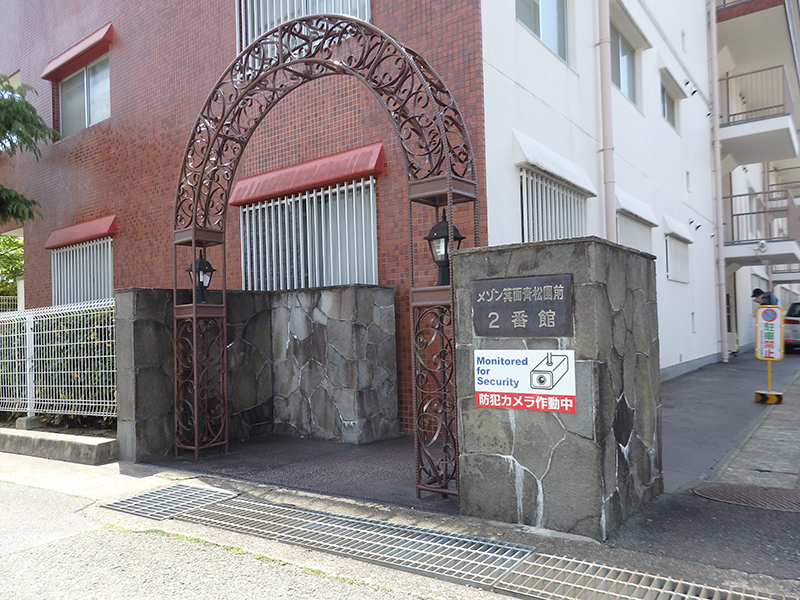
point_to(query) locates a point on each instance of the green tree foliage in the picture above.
(21, 128)
(11, 265)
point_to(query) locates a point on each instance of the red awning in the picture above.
(82, 232)
(80, 55)
(311, 175)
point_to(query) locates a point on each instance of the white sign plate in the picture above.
(540, 380)
(769, 332)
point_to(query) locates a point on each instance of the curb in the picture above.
(84, 450)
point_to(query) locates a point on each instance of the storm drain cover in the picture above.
(169, 502)
(753, 496)
(547, 577)
(453, 557)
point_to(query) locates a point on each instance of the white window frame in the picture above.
(551, 209)
(257, 17)
(623, 65)
(670, 97)
(548, 20)
(319, 238)
(669, 107)
(96, 102)
(83, 272)
(677, 259)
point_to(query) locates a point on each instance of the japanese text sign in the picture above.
(523, 306)
(539, 380)
(769, 333)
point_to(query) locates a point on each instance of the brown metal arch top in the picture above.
(438, 154)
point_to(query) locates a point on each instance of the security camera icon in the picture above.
(549, 372)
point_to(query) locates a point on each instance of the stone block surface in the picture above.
(581, 473)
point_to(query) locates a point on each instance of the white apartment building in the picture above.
(623, 147)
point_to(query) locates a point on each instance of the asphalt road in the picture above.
(56, 546)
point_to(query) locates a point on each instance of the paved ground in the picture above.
(713, 431)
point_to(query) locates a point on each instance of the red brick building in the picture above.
(143, 71)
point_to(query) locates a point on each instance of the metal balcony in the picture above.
(789, 273)
(761, 228)
(756, 117)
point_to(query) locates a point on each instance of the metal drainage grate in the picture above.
(753, 496)
(555, 578)
(458, 558)
(167, 503)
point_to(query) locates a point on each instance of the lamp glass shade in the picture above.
(439, 250)
(204, 272)
(437, 239)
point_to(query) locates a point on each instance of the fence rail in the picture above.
(8, 303)
(59, 360)
(760, 216)
(755, 95)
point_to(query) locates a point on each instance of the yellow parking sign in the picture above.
(769, 332)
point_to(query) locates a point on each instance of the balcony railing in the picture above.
(768, 216)
(755, 95)
(788, 179)
(788, 268)
(726, 3)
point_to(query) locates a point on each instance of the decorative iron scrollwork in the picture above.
(433, 135)
(436, 436)
(201, 417)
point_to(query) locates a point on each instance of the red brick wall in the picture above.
(164, 59)
(163, 63)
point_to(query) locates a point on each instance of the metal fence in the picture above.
(59, 360)
(8, 303)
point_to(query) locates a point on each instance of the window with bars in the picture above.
(677, 259)
(257, 17)
(634, 233)
(319, 238)
(551, 210)
(83, 272)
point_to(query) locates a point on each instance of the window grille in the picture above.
(634, 233)
(677, 259)
(314, 239)
(59, 360)
(83, 272)
(257, 17)
(551, 210)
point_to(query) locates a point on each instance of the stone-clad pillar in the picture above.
(584, 472)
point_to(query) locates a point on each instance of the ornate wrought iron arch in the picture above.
(428, 122)
(440, 170)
